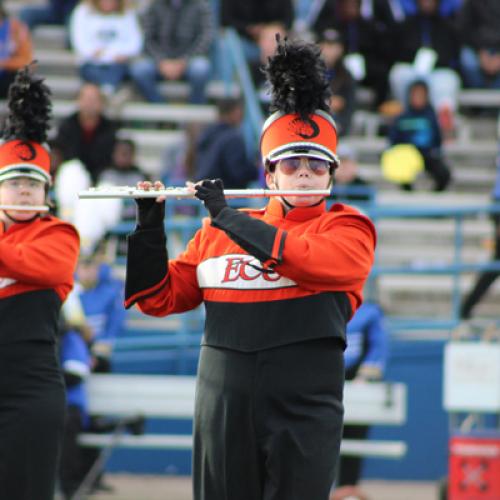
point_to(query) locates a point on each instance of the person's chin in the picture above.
(21, 215)
(303, 201)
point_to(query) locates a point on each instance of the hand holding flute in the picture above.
(151, 211)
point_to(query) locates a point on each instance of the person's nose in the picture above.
(304, 169)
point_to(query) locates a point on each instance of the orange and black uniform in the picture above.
(278, 290)
(37, 262)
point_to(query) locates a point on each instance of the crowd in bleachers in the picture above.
(380, 45)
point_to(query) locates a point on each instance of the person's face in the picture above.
(21, 191)
(301, 173)
(108, 6)
(428, 6)
(123, 155)
(331, 52)
(350, 8)
(88, 272)
(418, 97)
(267, 40)
(90, 99)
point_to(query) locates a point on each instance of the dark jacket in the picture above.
(434, 32)
(417, 127)
(239, 14)
(342, 84)
(175, 29)
(221, 153)
(479, 24)
(94, 154)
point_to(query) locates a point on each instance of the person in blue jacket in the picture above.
(221, 152)
(94, 317)
(76, 364)
(365, 360)
(418, 125)
(100, 296)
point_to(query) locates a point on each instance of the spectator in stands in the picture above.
(178, 37)
(52, 12)
(368, 44)
(93, 318)
(87, 134)
(266, 44)
(105, 36)
(76, 365)
(418, 125)
(487, 278)
(123, 171)
(349, 186)
(365, 360)
(101, 297)
(251, 17)
(385, 13)
(342, 84)
(480, 56)
(447, 8)
(279, 285)
(427, 47)
(179, 160)
(221, 151)
(15, 49)
(38, 255)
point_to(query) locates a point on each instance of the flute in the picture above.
(26, 208)
(179, 192)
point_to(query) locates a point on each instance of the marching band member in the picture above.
(38, 255)
(279, 285)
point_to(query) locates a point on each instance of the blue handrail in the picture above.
(186, 226)
(237, 67)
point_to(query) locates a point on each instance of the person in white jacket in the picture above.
(105, 36)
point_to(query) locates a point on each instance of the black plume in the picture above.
(29, 108)
(297, 75)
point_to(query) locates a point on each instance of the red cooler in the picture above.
(474, 468)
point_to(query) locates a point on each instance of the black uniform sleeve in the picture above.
(263, 241)
(147, 263)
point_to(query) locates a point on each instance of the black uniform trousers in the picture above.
(268, 424)
(32, 409)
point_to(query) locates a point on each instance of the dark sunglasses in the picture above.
(290, 165)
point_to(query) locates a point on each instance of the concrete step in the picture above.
(373, 147)
(431, 296)
(67, 87)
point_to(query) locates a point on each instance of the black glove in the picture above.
(211, 192)
(150, 214)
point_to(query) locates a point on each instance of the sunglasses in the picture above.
(290, 165)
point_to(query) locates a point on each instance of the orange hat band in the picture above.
(284, 133)
(24, 158)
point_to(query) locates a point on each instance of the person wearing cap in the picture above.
(279, 285)
(38, 255)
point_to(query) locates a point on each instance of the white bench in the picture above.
(172, 397)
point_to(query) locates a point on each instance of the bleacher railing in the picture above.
(455, 269)
(180, 335)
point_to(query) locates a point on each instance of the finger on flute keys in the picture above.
(156, 186)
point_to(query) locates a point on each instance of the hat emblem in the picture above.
(24, 151)
(305, 129)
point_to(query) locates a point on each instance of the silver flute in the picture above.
(26, 208)
(180, 192)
